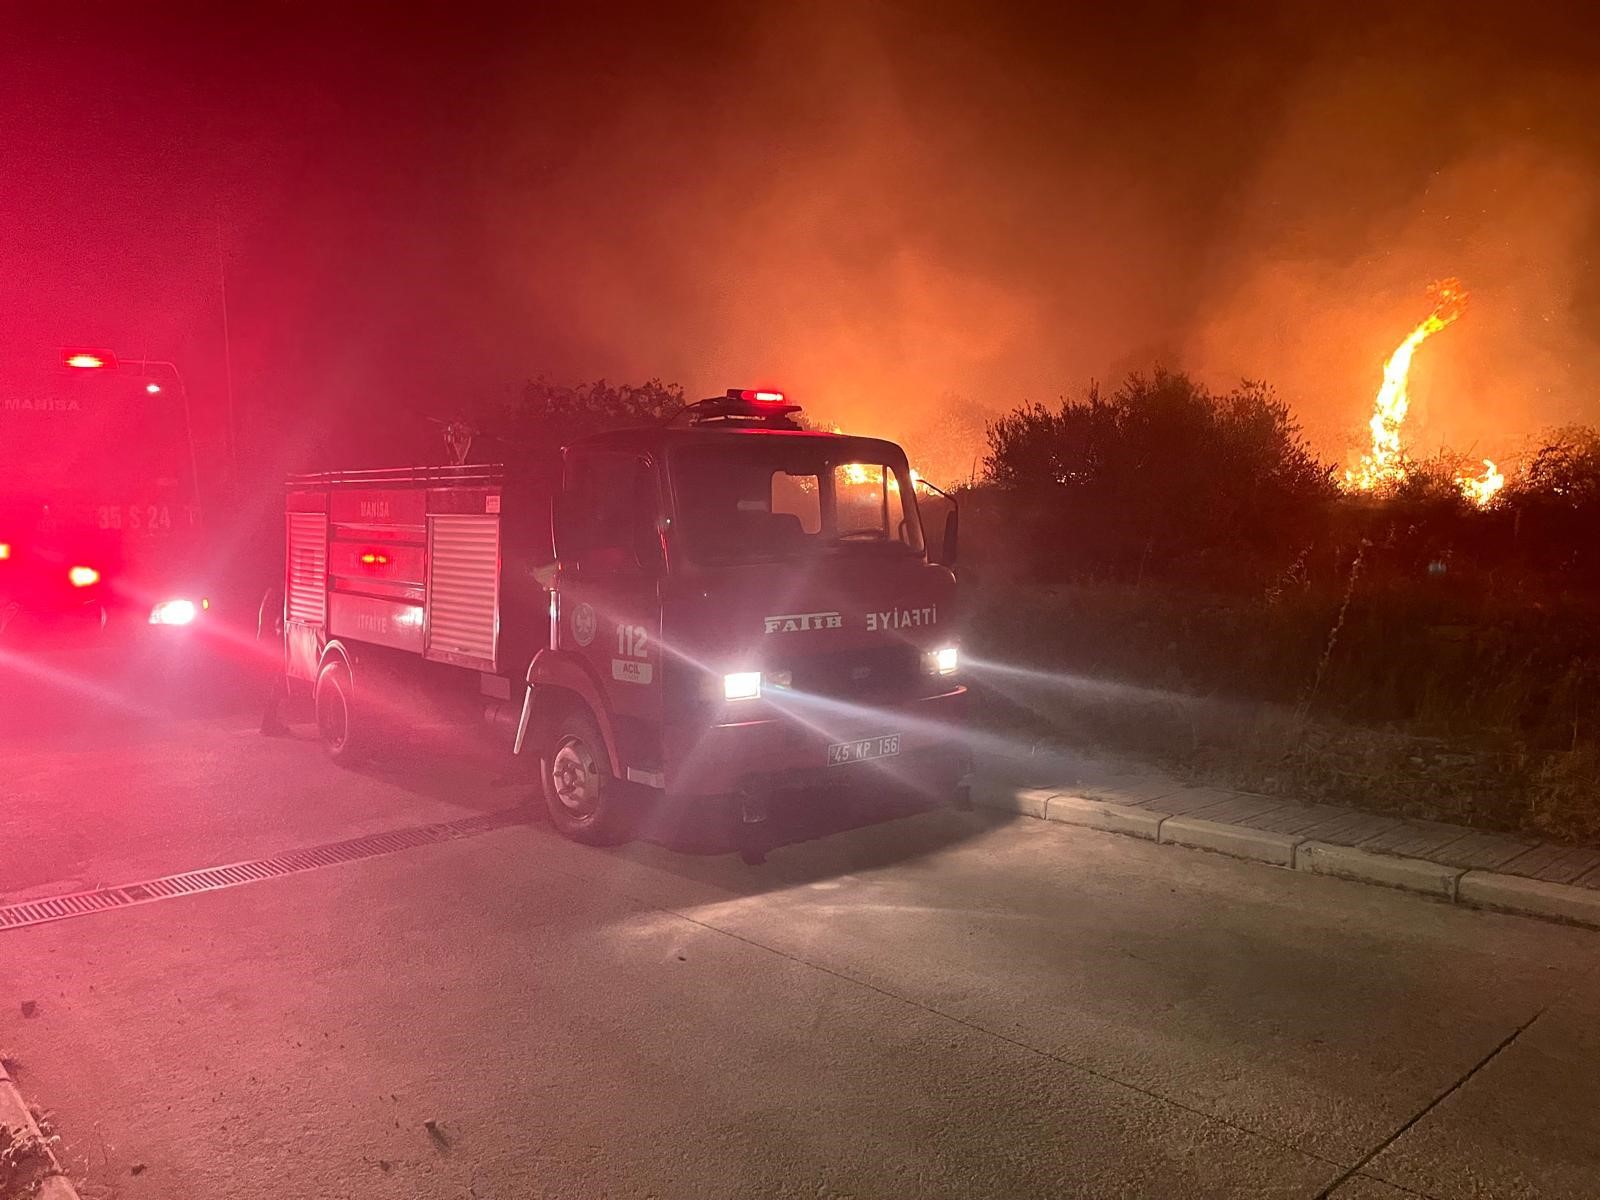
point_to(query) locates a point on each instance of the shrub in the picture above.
(1160, 479)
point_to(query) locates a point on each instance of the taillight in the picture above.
(83, 576)
(5, 551)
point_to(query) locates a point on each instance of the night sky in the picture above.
(907, 215)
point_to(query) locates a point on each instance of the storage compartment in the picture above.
(463, 589)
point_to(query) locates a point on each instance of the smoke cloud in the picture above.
(910, 217)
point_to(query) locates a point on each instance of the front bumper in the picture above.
(778, 751)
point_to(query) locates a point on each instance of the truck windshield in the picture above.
(753, 500)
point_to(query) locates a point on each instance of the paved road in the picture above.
(900, 1004)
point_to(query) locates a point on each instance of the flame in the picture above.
(1481, 490)
(1383, 466)
(862, 474)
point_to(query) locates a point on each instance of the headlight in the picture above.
(174, 612)
(741, 685)
(943, 661)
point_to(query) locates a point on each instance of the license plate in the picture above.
(841, 753)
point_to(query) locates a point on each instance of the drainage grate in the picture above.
(210, 879)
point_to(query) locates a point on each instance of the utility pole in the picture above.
(227, 350)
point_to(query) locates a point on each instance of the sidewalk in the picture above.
(1450, 862)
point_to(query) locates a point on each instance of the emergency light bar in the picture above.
(88, 360)
(745, 406)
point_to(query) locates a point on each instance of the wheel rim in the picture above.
(333, 719)
(575, 776)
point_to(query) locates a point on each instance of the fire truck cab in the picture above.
(724, 605)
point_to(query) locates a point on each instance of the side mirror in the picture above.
(949, 543)
(564, 535)
(647, 547)
(945, 556)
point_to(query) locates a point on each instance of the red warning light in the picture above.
(83, 576)
(89, 360)
(761, 397)
(5, 551)
(152, 388)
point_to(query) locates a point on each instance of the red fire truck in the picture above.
(99, 503)
(723, 605)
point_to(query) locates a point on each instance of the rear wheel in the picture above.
(336, 715)
(585, 801)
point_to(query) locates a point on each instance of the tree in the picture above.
(544, 416)
(1555, 505)
(550, 412)
(1162, 477)
(1564, 474)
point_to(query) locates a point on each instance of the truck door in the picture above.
(608, 607)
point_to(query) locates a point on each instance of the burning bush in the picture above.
(1407, 648)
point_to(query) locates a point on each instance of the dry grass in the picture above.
(25, 1162)
(1407, 705)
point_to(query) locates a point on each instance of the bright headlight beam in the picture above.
(174, 612)
(741, 685)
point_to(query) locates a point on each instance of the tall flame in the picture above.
(1383, 466)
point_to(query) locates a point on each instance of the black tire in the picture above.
(585, 801)
(338, 724)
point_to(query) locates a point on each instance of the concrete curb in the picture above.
(1103, 814)
(1349, 862)
(1474, 888)
(1259, 845)
(1513, 893)
(15, 1115)
(1030, 802)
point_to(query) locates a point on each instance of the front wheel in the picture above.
(584, 799)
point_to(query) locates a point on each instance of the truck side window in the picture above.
(612, 499)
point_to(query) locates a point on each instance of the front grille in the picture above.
(884, 672)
